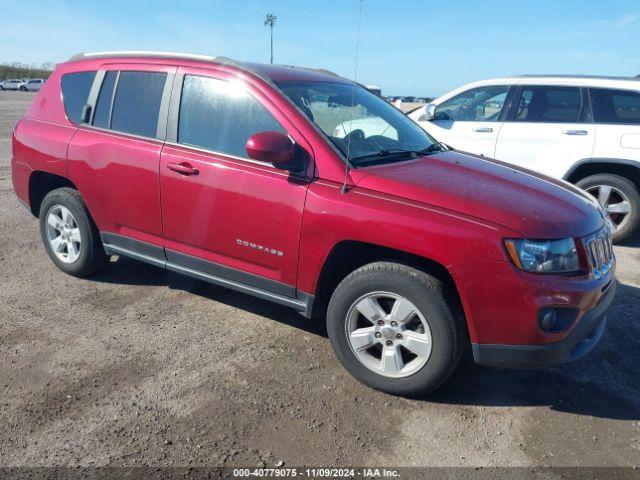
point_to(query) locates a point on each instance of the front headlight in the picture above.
(544, 256)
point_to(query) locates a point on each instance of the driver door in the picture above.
(471, 120)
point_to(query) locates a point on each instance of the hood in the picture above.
(532, 204)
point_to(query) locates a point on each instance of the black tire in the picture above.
(91, 256)
(428, 295)
(23, 89)
(628, 188)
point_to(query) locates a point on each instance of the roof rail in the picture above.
(556, 75)
(144, 53)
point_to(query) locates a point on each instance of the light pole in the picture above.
(270, 21)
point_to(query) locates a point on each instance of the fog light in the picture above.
(553, 320)
(548, 321)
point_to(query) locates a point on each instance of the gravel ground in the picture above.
(142, 367)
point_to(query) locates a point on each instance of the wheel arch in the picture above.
(629, 169)
(41, 183)
(348, 255)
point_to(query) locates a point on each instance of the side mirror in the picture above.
(480, 111)
(429, 113)
(272, 147)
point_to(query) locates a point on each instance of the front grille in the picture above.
(600, 252)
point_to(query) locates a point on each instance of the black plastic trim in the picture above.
(113, 241)
(582, 339)
(613, 161)
(92, 100)
(218, 270)
(163, 113)
(174, 109)
(211, 272)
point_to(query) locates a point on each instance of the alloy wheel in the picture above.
(388, 334)
(614, 202)
(63, 234)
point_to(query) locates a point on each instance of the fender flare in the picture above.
(620, 161)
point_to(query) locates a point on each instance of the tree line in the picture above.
(25, 70)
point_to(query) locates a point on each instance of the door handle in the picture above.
(483, 129)
(575, 132)
(183, 168)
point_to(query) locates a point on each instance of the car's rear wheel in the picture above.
(620, 199)
(393, 330)
(70, 237)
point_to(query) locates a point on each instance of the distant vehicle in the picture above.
(375, 90)
(11, 84)
(585, 130)
(367, 126)
(33, 85)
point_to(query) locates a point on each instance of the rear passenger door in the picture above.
(231, 216)
(548, 129)
(616, 114)
(115, 155)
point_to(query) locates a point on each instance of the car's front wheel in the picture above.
(23, 89)
(69, 234)
(392, 328)
(619, 197)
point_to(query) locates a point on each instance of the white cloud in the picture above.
(627, 20)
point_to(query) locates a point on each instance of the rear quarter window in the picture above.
(615, 106)
(75, 92)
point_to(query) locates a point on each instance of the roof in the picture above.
(275, 73)
(581, 77)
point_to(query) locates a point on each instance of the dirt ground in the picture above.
(138, 366)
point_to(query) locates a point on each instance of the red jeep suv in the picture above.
(257, 178)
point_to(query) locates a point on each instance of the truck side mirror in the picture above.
(272, 147)
(429, 113)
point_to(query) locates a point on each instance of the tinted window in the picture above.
(137, 103)
(75, 92)
(549, 104)
(103, 106)
(477, 105)
(220, 116)
(615, 106)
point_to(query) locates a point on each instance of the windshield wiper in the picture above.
(434, 148)
(386, 153)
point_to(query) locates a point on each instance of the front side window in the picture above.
(615, 106)
(75, 93)
(365, 128)
(481, 104)
(549, 104)
(136, 104)
(221, 116)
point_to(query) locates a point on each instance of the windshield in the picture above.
(365, 128)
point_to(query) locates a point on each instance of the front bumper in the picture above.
(580, 341)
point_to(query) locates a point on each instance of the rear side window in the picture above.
(220, 116)
(549, 104)
(103, 106)
(75, 92)
(615, 106)
(137, 102)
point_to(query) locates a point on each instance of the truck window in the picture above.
(615, 106)
(137, 103)
(75, 92)
(220, 116)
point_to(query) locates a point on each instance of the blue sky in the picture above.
(407, 47)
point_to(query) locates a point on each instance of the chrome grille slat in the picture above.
(599, 249)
